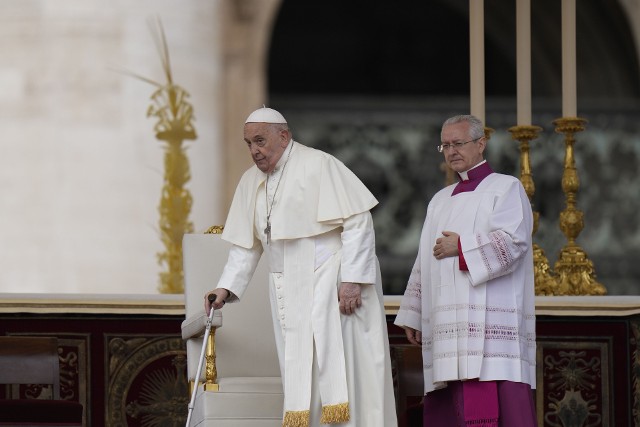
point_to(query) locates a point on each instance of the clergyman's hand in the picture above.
(349, 297)
(221, 297)
(414, 336)
(446, 246)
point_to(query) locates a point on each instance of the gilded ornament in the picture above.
(576, 274)
(215, 229)
(211, 372)
(545, 281)
(175, 125)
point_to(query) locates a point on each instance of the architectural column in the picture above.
(632, 7)
(246, 32)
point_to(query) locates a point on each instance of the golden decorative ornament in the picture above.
(174, 125)
(545, 281)
(215, 229)
(576, 274)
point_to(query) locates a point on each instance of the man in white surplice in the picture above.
(469, 301)
(310, 216)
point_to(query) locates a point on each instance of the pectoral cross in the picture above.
(267, 231)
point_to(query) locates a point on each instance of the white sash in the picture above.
(312, 317)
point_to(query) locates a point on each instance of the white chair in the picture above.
(248, 389)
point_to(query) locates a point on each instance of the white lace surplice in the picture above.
(478, 323)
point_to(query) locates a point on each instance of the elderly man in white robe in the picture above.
(309, 214)
(469, 301)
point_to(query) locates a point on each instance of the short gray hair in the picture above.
(476, 127)
(279, 127)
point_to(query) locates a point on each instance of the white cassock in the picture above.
(478, 323)
(333, 366)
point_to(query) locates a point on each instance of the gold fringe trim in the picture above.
(335, 414)
(296, 419)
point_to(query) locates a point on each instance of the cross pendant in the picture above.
(267, 231)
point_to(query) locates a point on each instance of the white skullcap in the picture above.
(265, 115)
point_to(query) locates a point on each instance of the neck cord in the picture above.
(267, 229)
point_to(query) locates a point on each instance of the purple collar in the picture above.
(475, 175)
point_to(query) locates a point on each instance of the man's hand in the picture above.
(446, 246)
(349, 297)
(414, 336)
(221, 297)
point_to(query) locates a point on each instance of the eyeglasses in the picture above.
(456, 145)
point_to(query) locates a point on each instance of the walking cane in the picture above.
(196, 381)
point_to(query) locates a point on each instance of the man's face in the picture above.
(266, 144)
(463, 158)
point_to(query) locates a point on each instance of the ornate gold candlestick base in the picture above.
(545, 281)
(576, 274)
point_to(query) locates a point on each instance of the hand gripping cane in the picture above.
(196, 381)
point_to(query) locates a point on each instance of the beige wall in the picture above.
(80, 168)
(246, 31)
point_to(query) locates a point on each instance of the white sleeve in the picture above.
(239, 270)
(410, 311)
(498, 251)
(358, 249)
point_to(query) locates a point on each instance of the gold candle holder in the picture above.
(576, 274)
(545, 281)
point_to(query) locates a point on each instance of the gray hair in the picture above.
(279, 127)
(476, 127)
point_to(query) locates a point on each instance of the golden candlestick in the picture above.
(576, 274)
(545, 282)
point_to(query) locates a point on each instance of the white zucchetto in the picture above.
(265, 115)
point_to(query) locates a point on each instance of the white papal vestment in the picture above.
(478, 323)
(321, 235)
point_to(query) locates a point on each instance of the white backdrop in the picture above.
(80, 168)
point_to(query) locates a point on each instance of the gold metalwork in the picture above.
(174, 125)
(488, 132)
(215, 229)
(211, 372)
(576, 274)
(545, 282)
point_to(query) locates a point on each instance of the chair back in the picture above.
(30, 360)
(245, 345)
